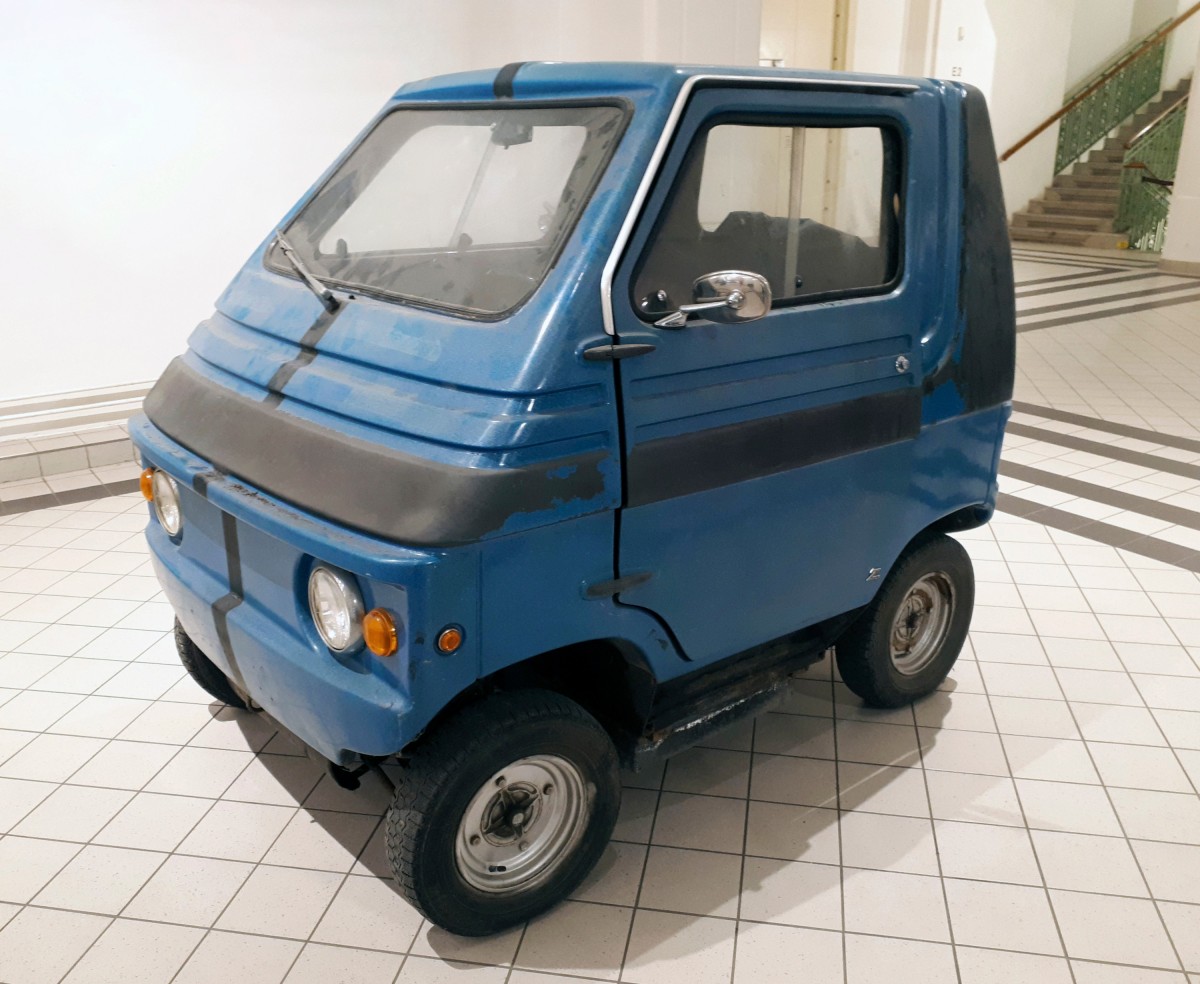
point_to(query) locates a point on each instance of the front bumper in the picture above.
(338, 710)
(236, 577)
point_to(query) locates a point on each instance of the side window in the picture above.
(815, 210)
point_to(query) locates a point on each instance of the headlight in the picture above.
(336, 607)
(166, 502)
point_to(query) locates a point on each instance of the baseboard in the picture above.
(1182, 268)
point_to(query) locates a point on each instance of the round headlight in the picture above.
(336, 607)
(166, 502)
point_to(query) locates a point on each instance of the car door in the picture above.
(768, 463)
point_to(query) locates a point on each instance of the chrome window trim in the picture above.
(664, 140)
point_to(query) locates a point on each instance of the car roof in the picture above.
(534, 80)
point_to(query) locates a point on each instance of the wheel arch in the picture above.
(609, 678)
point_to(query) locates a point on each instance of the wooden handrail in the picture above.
(1149, 43)
(1154, 122)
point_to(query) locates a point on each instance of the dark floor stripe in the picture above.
(1106, 313)
(1111, 426)
(1128, 261)
(69, 498)
(1098, 283)
(1047, 261)
(1113, 536)
(1176, 515)
(1119, 296)
(1150, 461)
(1104, 277)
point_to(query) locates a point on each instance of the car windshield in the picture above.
(463, 208)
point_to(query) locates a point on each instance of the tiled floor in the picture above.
(1036, 821)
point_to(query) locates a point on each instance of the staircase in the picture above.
(1079, 207)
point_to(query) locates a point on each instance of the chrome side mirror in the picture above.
(726, 297)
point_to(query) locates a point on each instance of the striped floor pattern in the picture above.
(1104, 440)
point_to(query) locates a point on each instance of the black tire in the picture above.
(206, 673)
(932, 565)
(456, 766)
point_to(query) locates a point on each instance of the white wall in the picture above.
(1182, 243)
(149, 147)
(1098, 32)
(1181, 48)
(798, 33)
(1030, 78)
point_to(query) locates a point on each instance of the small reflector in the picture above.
(146, 484)
(379, 632)
(449, 639)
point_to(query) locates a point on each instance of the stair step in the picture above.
(1104, 182)
(1068, 237)
(1082, 222)
(1099, 209)
(1097, 168)
(1106, 195)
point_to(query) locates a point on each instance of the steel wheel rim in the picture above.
(524, 820)
(922, 623)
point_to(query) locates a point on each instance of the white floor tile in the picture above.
(1007, 917)
(256, 907)
(1120, 930)
(38, 946)
(191, 891)
(895, 904)
(132, 952)
(318, 964)
(236, 956)
(769, 954)
(665, 948)
(100, 879)
(701, 882)
(1173, 870)
(1087, 863)
(577, 939)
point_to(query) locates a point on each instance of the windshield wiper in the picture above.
(325, 295)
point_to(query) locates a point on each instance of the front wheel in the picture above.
(502, 811)
(207, 674)
(906, 641)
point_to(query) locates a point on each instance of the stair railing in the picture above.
(1151, 157)
(1100, 105)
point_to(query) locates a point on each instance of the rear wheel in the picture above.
(905, 643)
(206, 673)
(502, 811)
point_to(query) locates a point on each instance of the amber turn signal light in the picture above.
(449, 639)
(379, 632)
(146, 484)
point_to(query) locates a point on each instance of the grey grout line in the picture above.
(614, 905)
(837, 805)
(641, 878)
(1017, 789)
(941, 875)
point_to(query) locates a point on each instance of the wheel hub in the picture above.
(512, 810)
(521, 823)
(922, 623)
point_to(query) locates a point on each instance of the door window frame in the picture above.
(895, 178)
(671, 125)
